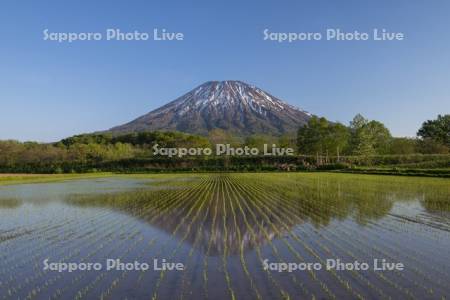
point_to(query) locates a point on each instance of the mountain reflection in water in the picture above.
(252, 211)
(222, 227)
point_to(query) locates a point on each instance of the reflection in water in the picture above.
(9, 203)
(221, 227)
(312, 200)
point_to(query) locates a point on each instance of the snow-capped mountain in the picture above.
(234, 106)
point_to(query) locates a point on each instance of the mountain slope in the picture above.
(234, 106)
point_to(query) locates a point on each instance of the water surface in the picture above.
(222, 227)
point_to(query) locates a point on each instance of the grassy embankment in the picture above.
(438, 166)
(441, 172)
(405, 165)
(41, 178)
(9, 179)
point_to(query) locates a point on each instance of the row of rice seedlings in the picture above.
(436, 206)
(288, 211)
(180, 204)
(48, 238)
(334, 245)
(384, 220)
(415, 214)
(22, 247)
(418, 257)
(370, 191)
(115, 284)
(90, 287)
(12, 249)
(78, 278)
(24, 233)
(70, 217)
(16, 224)
(12, 278)
(337, 246)
(232, 199)
(39, 274)
(245, 191)
(182, 197)
(53, 243)
(225, 239)
(392, 283)
(215, 203)
(320, 245)
(425, 225)
(344, 283)
(393, 224)
(390, 243)
(178, 197)
(370, 253)
(389, 229)
(181, 240)
(17, 247)
(108, 225)
(132, 233)
(184, 280)
(142, 212)
(21, 230)
(283, 293)
(305, 291)
(103, 274)
(426, 230)
(85, 289)
(417, 284)
(414, 268)
(398, 253)
(33, 256)
(96, 243)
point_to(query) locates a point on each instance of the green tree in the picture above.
(311, 136)
(220, 136)
(430, 146)
(437, 130)
(403, 145)
(256, 141)
(320, 137)
(380, 136)
(10, 152)
(368, 137)
(361, 143)
(337, 139)
(287, 141)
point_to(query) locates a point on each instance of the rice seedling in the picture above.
(223, 228)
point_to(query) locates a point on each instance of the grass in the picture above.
(7, 179)
(160, 179)
(401, 171)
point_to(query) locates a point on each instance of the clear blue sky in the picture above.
(49, 91)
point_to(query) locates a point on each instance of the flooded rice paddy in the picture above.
(227, 236)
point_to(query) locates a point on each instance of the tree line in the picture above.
(365, 137)
(319, 138)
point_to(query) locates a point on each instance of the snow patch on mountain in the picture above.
(230, 105)
(223, 95)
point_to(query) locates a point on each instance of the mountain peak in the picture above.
(229, 82)
(231, 105)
